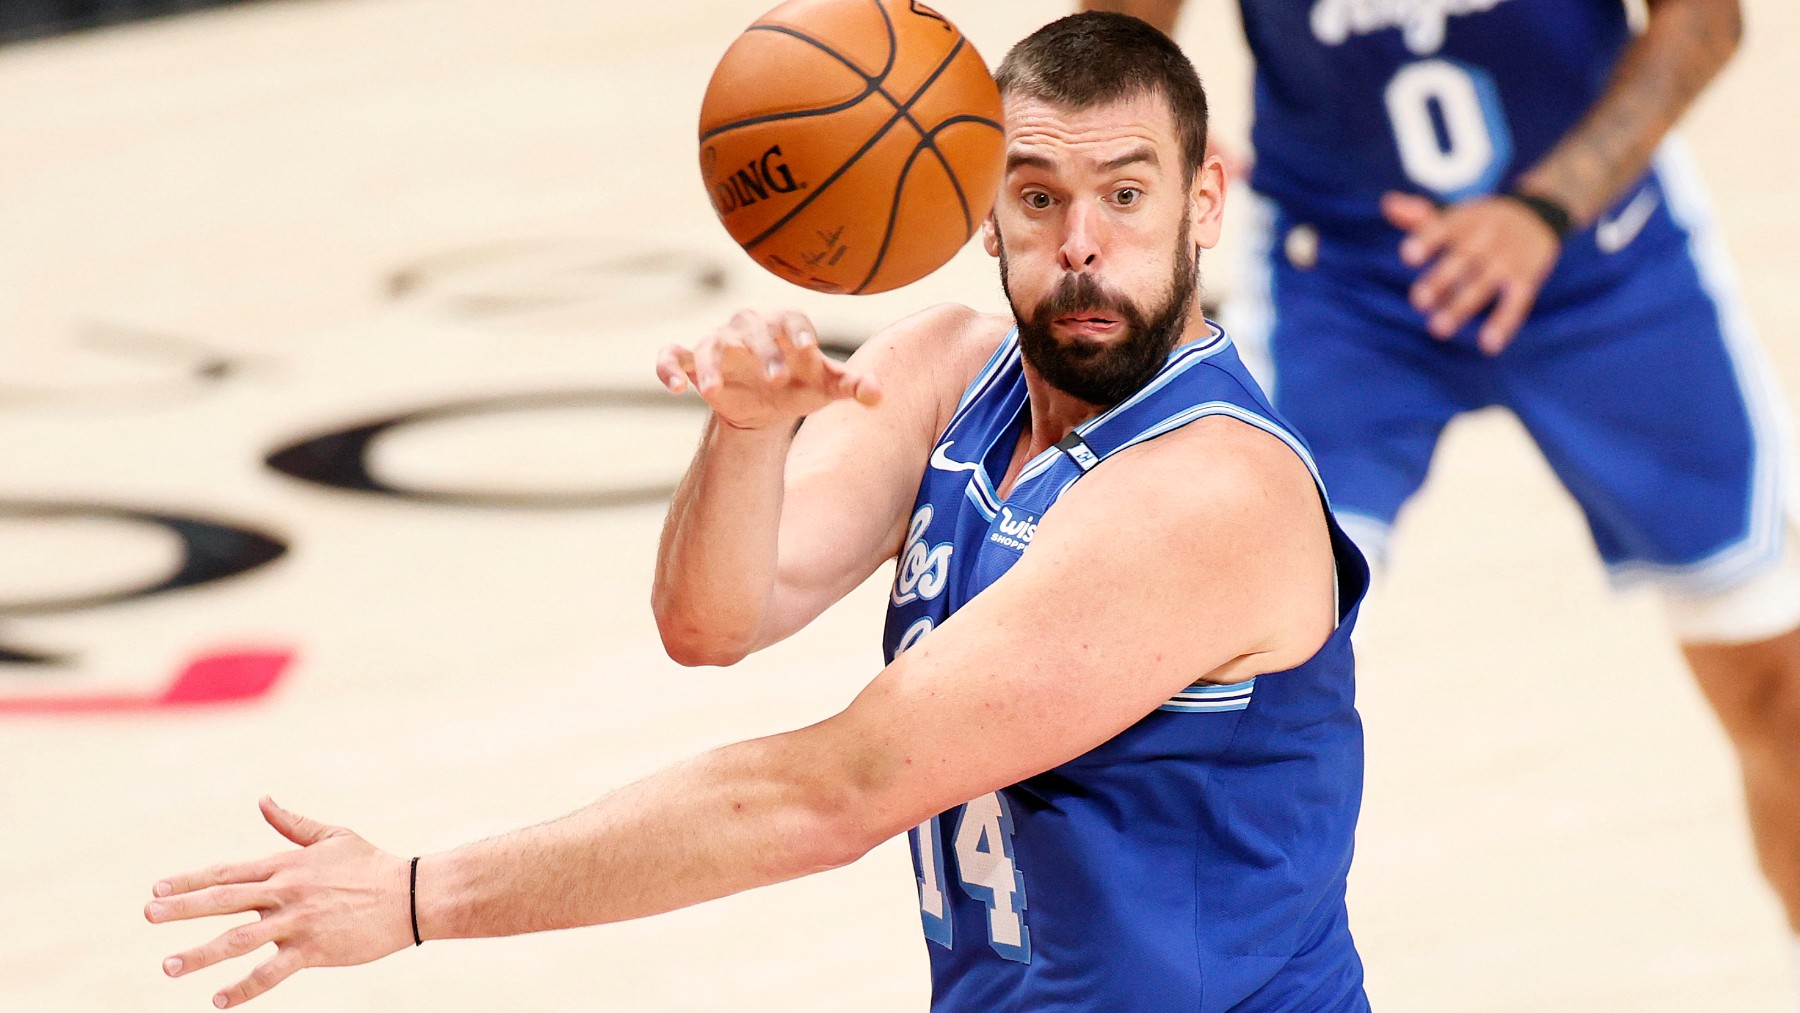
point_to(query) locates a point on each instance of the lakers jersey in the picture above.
(1445, 97)
(1450, 99)
(1197, 860)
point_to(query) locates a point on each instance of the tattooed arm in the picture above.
(1492, 254)
(1684, 47)
(1161, 13)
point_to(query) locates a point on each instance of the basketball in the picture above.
(851, 146)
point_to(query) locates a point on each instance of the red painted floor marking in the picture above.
(227, 677)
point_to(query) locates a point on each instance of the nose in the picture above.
(1081, 238)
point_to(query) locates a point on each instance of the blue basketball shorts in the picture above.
(1636, 375)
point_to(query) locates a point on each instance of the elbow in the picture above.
(833, 838)
(828, 823)
(855, 793)
(1717, 26)
(693, 642)
(701, 656)
(1727, 28)
(690, 648)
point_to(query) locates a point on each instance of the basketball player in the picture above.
(1472, 204)
(1117, 717)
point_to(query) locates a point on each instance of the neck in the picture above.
(1055, 414)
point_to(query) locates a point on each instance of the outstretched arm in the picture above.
(1494, 250)
(1226, 572)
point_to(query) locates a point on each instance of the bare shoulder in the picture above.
(1231, 505)
(1215, 467)
(935, 352)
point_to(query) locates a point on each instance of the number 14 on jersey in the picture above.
(987, 869)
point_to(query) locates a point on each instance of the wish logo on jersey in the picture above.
(1421, 22)
(922, 572)
(1013, 530)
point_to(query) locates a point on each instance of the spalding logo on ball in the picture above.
(851, 145)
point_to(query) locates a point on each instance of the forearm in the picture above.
(1683, 48)
(743, 816)
(1161, 13)
(716, 565)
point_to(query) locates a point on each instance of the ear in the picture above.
(990, 235)
(1206, 203)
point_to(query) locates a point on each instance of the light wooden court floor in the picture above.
(229, 232)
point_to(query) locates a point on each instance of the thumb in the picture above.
(1406, 211)
(863, 387)
(292, 825)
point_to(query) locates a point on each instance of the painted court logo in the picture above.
(1421, 22)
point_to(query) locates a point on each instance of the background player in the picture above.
(1497, 180)
(1139, 683)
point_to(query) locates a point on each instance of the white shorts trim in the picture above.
(1765, 539)
(1761, 608)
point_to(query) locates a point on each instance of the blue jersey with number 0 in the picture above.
(1444, 97)
(1450, 99)
(1197, 860)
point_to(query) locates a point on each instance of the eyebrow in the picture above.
(1028, 159)
(1135, 155)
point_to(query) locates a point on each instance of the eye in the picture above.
(1128, 195)
(1037, 200)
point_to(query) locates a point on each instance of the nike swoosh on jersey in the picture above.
(1615, 233)
(942, 462)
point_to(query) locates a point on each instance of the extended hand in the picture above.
(762, 371)
(337, 901)
(1482, 251)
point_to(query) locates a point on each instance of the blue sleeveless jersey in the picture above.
(1196, 861)
(1446, 98)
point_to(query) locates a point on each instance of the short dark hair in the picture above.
(1097, 58)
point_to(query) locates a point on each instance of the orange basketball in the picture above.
(851, 145)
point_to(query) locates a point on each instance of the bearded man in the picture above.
(1117, 717)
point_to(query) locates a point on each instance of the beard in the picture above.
(1097, 372)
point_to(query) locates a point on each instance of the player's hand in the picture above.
(338, 901)
(763, 371)
(1486, 251)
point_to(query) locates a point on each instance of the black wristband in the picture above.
(412, 899)
(1549, 211)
